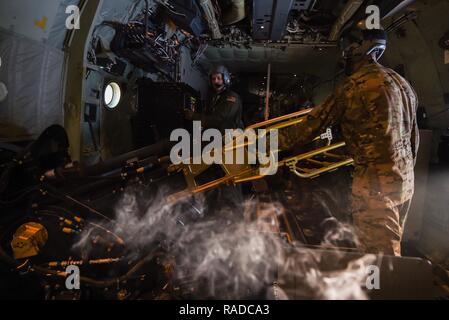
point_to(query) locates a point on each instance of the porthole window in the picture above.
(111, 95)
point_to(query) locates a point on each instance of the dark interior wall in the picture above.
(294, 59)
(193, 74)
(415, 46)
(31, 66)
(112, 130)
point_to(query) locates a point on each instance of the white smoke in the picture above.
(324, 275)
(227, 258)
(228, 261)
(338, 233)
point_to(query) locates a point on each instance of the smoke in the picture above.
(229, 257)
(320, 274)
(228, 261)
(338, 233)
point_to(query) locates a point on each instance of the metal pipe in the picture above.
(327, 168)
(348, 11)
(401, 20)
(267, 99)
(160, 148)
(401, 6)
(281, 118)
(211, 19)
(236, 13)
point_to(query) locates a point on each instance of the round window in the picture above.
(112, 94)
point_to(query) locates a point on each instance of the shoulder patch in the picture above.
(231, 99)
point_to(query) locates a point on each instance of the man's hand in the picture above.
(188, 114)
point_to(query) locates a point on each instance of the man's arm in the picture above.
(222, 115)
(321, 117)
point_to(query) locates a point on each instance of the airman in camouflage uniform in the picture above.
(375, 108)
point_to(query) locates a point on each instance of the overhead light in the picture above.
(262, 27)
(111, 95)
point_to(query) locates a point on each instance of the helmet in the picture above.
(358, 41)
(224, 72)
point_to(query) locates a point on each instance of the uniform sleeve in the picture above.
(222, 115)
(321, 117)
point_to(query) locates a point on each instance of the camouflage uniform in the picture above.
(375, 108)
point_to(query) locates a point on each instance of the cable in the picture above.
(53, 213)
(170, 8)
(146, 18)
(57, 194)
(7, 259)
(10, 147)
(23, 193)
(100, 283)
(86, 280)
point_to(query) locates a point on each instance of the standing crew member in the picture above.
(224, 107)
(223, 111)
(376, 110)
